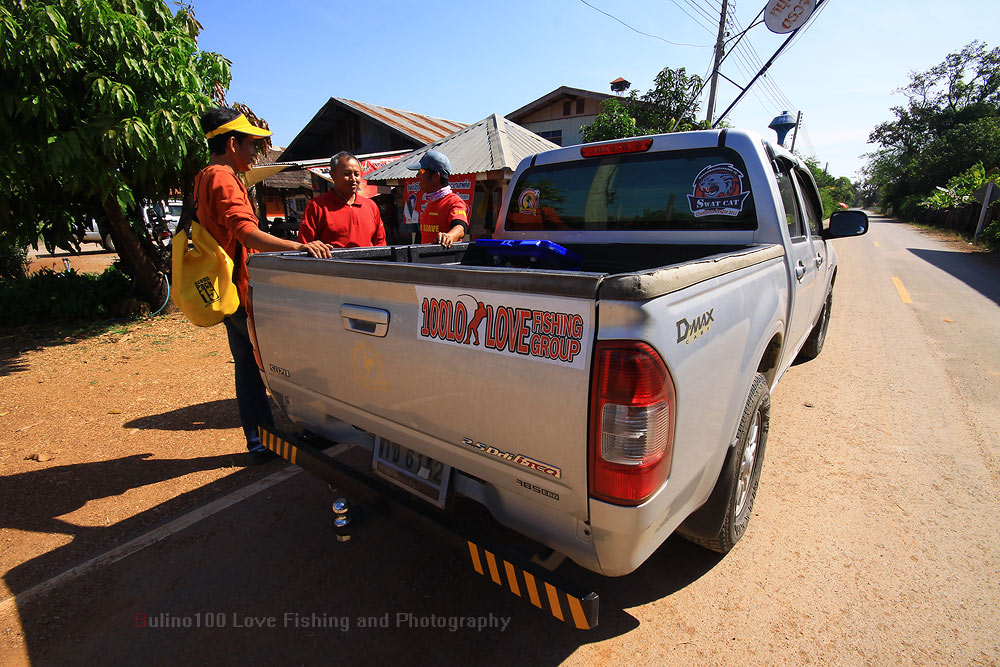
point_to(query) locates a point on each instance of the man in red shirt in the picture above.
(343, 218)
(223, 208)
(445, 218)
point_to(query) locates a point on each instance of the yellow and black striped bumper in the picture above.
(580, 612)
(279, 445)
(543, 589)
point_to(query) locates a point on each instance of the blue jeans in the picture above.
(251, 394)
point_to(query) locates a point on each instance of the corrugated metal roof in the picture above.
(420, 126)
(343, 124)
(492, 144)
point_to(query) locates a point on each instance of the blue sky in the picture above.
(465, 61)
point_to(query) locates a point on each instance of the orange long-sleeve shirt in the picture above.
(223, 208)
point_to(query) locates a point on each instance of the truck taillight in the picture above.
(616, 148)
(251, 329)
(631, 422)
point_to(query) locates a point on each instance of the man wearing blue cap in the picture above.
(445, 218)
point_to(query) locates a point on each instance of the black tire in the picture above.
(814, 344)
(108, 244)
(740, 475)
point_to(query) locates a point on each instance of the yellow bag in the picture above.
(202, 279)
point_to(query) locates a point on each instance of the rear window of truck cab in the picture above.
(677, 190)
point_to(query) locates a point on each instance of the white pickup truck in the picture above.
(593, 379)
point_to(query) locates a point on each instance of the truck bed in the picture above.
(623, 270)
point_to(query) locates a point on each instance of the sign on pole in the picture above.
(987, 194)
(783, 16)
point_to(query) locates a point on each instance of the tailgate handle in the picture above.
(364, 320)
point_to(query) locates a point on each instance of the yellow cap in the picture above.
(239, 124)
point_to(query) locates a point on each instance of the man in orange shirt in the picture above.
(342, 217)
(223, 208)
(445, 218)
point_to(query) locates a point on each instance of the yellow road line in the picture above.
(903, 294)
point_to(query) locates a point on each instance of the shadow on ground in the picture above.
(16, 341)
(34, 501)
(973, 269)
(60, 252)
(280, 589)
(220, 414)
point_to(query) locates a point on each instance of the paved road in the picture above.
(875, 537)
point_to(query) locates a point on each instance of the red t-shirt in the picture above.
(330, 220)
(223, 209)
(441, 215)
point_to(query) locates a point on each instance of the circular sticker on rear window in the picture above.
(527, 202)
(718, 190)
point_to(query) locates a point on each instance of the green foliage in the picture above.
(47, 295)
(13, 257)
(99, 102)
(669, 106)
(832, 190)
(991, 235)
(614, 122)
(951, 122)
(960, 190)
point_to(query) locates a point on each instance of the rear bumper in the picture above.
(489, 557)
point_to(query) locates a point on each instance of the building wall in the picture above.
(568, 129)
(560, 120)
(563, 108)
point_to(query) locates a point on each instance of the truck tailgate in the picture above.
(422, 358)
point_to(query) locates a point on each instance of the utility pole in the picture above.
(764, 69)
(719, 53)
(798, 123)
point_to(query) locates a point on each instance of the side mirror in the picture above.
(846, 223)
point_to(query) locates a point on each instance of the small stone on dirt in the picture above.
(38, 456)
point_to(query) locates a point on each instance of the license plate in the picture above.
(419, 474)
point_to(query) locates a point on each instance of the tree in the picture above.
(99, 108)
(671, 105)
(614, 122)
(951, 121)
(832, 190)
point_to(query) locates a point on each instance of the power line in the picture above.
(769, 82)
(710, 31)
(743, 61)
(748, 73)
(763, 90)
(809, 24)
(646, 34)
(712, 20)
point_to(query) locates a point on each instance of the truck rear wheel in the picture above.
(736, 489)
(814, 344)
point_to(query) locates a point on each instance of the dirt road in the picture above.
(874, 540)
